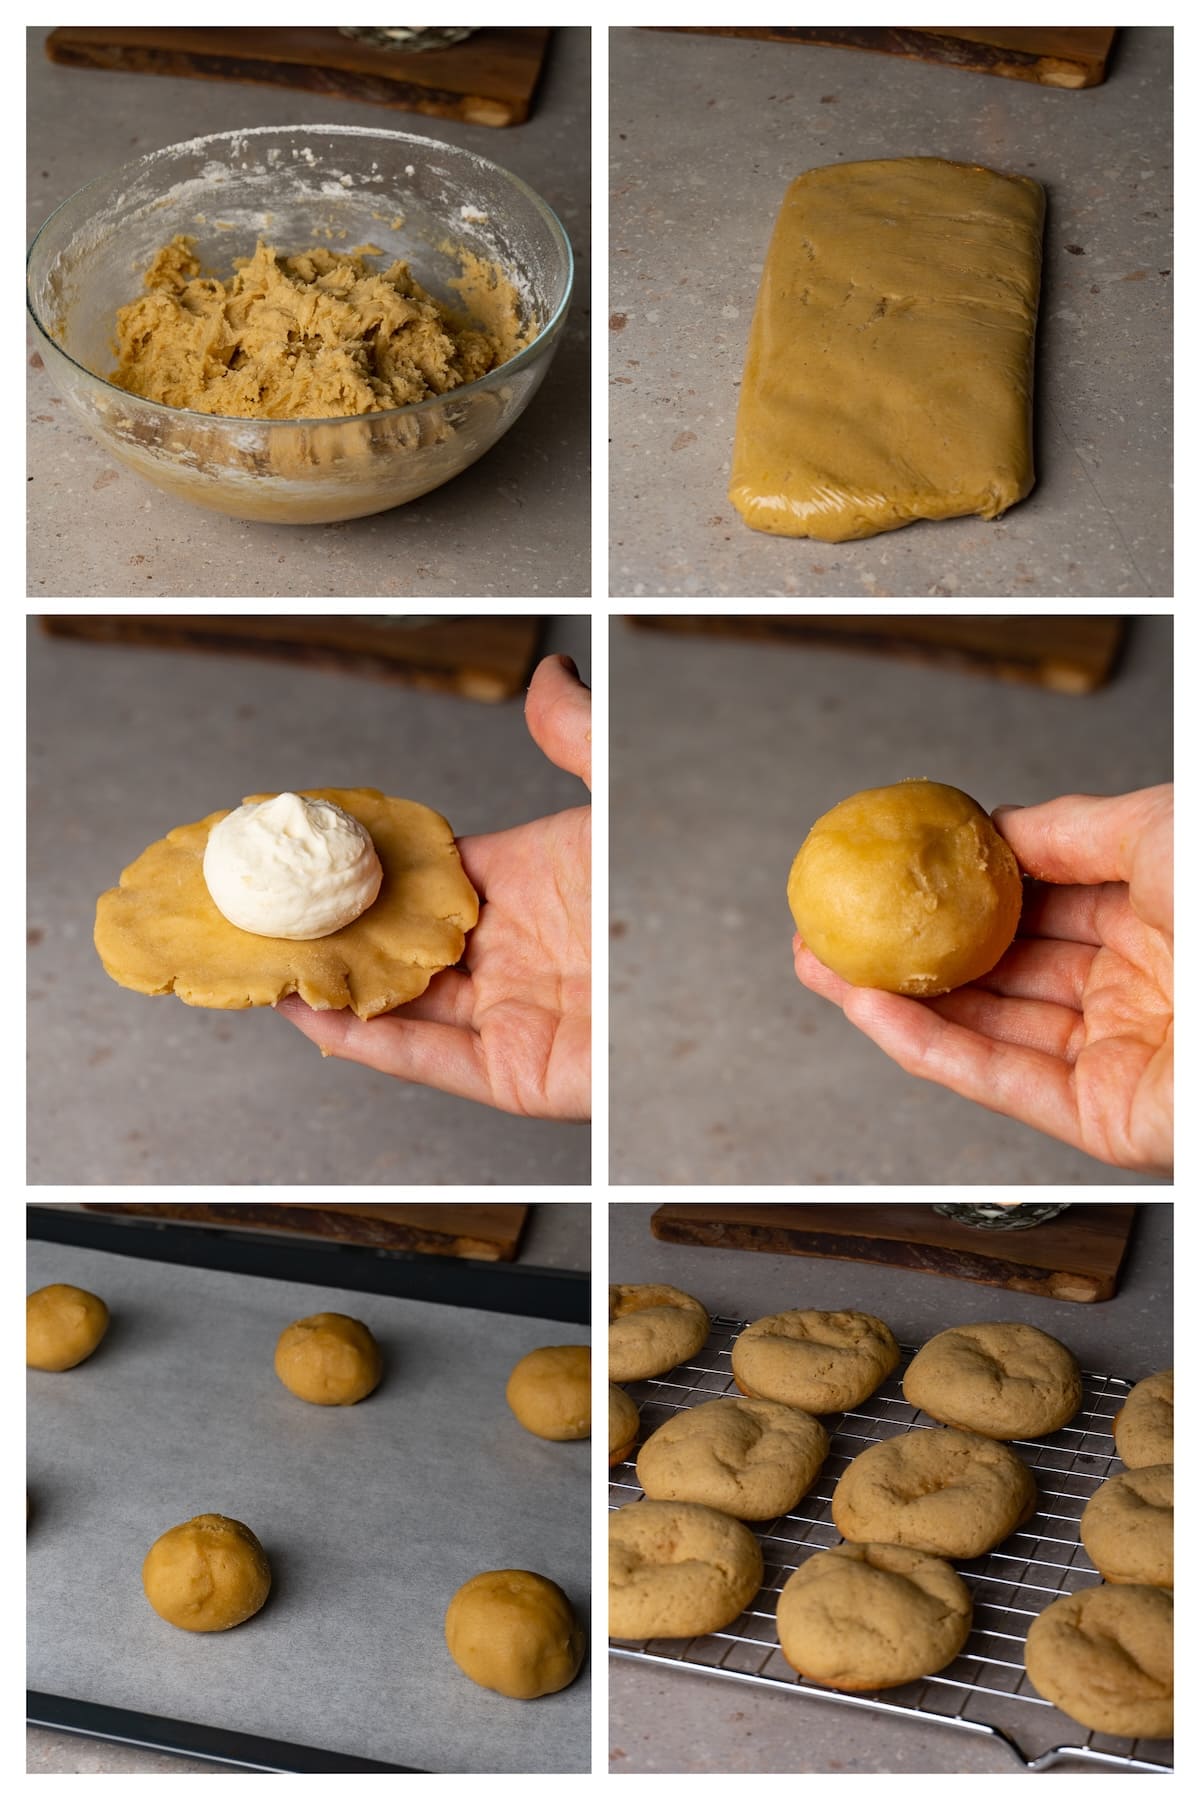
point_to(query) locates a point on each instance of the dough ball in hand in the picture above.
(63, 1325)
(207, 1575)
(909, 888)
(514, 1632)
(550, 1392)
(329, 1360)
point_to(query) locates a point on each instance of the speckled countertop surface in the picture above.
(125, 743)
(515, 523)
(557, 1236)
(723, 754)
(706, 134)
(674, 1722)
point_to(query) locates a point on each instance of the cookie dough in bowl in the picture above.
(908, 888)
(283, 410)
(865, 1616)
(652, 1328)
(822, 1361)
(161, 931)
(1001, 1380)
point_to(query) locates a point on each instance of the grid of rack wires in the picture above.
(985, 1690)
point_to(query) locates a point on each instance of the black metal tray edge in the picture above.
(563, 1295)
(179, 1737)
(560, 1294)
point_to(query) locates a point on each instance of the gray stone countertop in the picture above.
(706, 134)
(670, 1721)
(126, 743)
(515, 523)
(723, 754)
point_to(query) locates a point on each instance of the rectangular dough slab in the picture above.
(889, 374)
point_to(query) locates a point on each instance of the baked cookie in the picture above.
(946, 1492)
(208, 1574)
(1144, 1429)
(752, 1459)
(1128, 1526)
(1105, 1656)
(1003, 1381)
(160, 931)
(822, 1361)
(63, 1325)
(550, 1392)
(514, 1632)
(864, 1616)
(678, 1571)
(623, 1421)
(652, 1328)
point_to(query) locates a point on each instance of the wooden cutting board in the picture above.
(1068, 653)
(1076, 1256)
(1062, 56)
(488, 79)
(484, 658)
(482, 1233)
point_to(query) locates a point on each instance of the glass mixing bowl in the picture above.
(430, 204)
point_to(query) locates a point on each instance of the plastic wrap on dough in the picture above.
(889, 374)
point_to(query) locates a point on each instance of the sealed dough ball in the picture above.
(328, 1359)
(207, 1575)
(63, 1325)
(909, 888)
(550, 1391)
(514, 1632)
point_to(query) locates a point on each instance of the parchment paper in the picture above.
(371, 1516)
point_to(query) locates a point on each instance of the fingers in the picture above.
(1035, 969)
(446, 1057)
(1081, 838)
(1030, 1024)
(558, 712)
(1023, 1083)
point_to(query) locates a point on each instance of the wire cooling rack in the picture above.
(985, 1689)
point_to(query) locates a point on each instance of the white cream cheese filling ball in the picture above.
(291, 868)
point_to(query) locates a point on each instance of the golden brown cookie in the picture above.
(623, 1420)
(677, 1571)
(1144, 1429)
(550, 1392)
(515, 1632)
(864, 1616)
(1105, 1656)
(328, 1359)
(946, 1492)
(752, 1459)
(1128, 1526)
(63, 1325)
(160, 932)
(1003, 1381)
(208, 1574)
(822, 1361)
(652, 1328)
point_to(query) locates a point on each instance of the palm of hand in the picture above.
(524, 986)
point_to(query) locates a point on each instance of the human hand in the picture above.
(510, 1025)
(1072, 1032)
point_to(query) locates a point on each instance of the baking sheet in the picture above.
(371, 1515)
